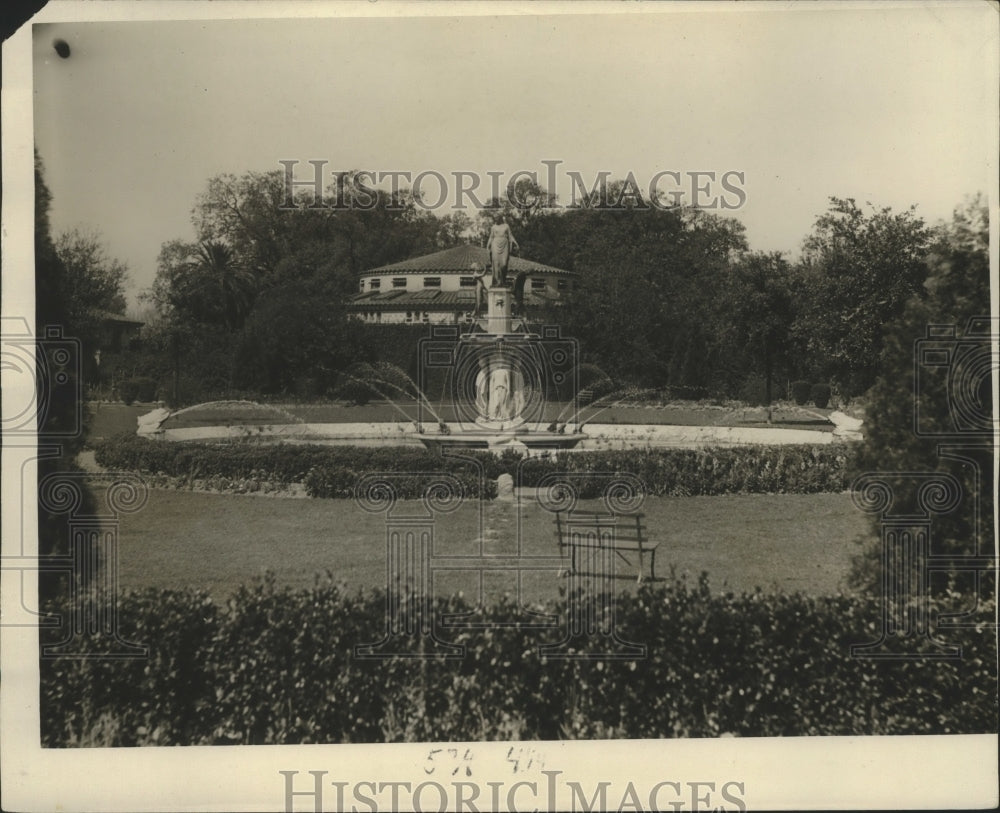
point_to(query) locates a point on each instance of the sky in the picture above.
(892, 105)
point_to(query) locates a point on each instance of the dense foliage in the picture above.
(858, 272)
(59, 418)
(689, 472)
(276, 666)
(819, 394)
(801, 391)
(335, 471)
(257, 302)
(931, 414)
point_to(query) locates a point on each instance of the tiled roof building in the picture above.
(440, 287)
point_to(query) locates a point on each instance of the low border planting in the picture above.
(334, 471)
(801, 469)
(326, 471)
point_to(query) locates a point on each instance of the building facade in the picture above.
(440, 288)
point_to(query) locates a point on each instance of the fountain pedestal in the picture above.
(498, 310)
(498, 386)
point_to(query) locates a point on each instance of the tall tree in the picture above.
(857, 273)
(360, 228)
(931, 413)
(203, 283)
(220, 274)
(245, 213)
(93, 281)
(521, 205)
(649, 281)
(756, 313)
(59, 414)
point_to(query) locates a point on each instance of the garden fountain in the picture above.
(498, 377)
(498, 374)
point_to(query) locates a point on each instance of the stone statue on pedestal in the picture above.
(499, 245)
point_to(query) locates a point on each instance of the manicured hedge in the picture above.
(820, 395)
(801, 390)
(333, 471)
(339, 481)
(276, 666)
(724, 470)
(327, 471)
(287, 464)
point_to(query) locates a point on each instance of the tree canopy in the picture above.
(666, 296)
(858, 272)
(93, 281)
(933, 413)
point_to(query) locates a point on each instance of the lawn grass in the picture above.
(217, 542)
(107, 420)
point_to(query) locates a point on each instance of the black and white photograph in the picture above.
(500, 406)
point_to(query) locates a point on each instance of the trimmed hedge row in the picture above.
(276, 666)
(340, 481)
(334, 471)
(802, 469)
(327, 471)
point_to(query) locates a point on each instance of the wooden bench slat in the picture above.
(591, 530)
(616, 545)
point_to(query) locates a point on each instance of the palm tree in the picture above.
(219, 273)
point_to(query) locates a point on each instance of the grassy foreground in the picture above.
(217, 542)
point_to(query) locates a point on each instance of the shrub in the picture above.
(682, 472)
(326, 471)
(339, 481)
(307, 387)
(275, 666)
(801, 390)
(357, 384)
(333, 471)
(754, 391)
(137, 389)
(127, 391)
(681, 392)
(820, 395)
(147, 389)
(588, 374)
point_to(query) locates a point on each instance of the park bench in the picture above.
(589, 533)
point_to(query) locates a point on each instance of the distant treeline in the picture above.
(257, 302)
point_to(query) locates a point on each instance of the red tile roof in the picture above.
(460, 260)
